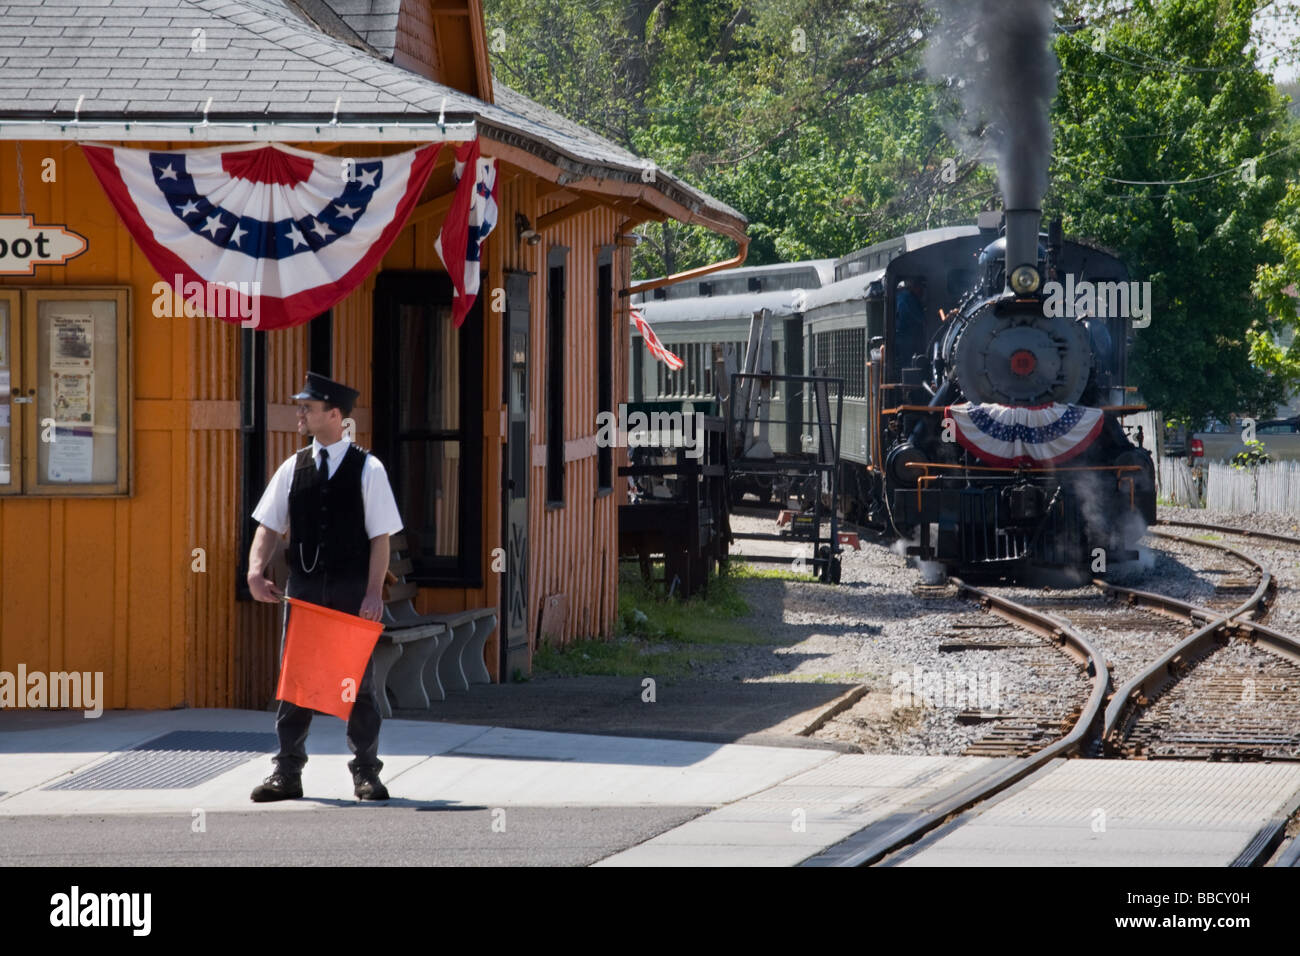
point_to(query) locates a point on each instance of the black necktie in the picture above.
(324, 469)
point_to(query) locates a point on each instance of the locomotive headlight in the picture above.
(1025, 280)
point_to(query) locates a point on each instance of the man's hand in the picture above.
(259, 555)
(263, 589)
(372, 607)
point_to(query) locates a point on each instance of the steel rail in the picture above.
(1225, 529)
(1172, 665)
(1275, 642)
(1257, 601)
(1066, 639)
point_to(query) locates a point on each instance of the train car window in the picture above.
(841, 353)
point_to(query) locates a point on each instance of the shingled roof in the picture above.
(263, 58)
(374, 20)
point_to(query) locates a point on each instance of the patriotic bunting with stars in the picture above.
(473, 214)
(1010, 435)
(299, 230)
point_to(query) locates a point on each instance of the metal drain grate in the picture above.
(175, 761)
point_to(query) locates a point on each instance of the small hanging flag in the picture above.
(473, 214)
(653, 344)
(325, 657)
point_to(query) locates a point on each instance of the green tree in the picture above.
(812, 117)
(1173, 149)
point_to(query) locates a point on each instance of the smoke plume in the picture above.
(996, 54)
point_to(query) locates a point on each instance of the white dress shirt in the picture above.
(376, 493)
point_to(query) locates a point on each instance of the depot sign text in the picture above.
(25, 245)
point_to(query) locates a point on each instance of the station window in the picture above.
(605, 360)
(555, 291)
(64, 392)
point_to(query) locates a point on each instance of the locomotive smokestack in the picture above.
(997, 55)
(1022, 239)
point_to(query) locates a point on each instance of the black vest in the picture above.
(329, 552)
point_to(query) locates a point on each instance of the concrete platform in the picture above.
(427, 763)
(715, 711)
(637, 801)
(1120, 813)
(789, 822)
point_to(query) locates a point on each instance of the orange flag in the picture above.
(325, 657)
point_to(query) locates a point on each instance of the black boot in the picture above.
(366, 785)
(278, 786)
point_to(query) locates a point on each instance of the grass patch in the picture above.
(661, 637)
(749, 572)
(712, 618)
(1208, 537)
(621, 657)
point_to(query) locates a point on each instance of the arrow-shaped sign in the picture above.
(25, 245)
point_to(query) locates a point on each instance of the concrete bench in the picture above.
(424, 654)
(463, 665)
(408, 642)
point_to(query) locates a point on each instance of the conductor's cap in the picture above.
(321, 389)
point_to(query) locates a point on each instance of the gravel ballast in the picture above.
(879, 629)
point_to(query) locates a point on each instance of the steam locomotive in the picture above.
(981, 419)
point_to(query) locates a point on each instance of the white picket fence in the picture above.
(1274, 487)
(1175, 483)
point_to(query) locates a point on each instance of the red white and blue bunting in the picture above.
(473, 214)
(298, 231)
(1010, 435)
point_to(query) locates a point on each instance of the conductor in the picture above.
(335, 502)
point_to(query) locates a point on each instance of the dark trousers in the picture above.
(293, 722)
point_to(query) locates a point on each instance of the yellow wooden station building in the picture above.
(136, 435)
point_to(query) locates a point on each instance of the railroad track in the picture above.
(1066, 639)
(1229, 691)
(1131, 721)
(1036, 719)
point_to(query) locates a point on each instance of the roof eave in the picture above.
(243, 127)
(663, 192)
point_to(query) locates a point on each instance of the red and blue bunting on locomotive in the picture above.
(299, 230)
(1011, 435)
